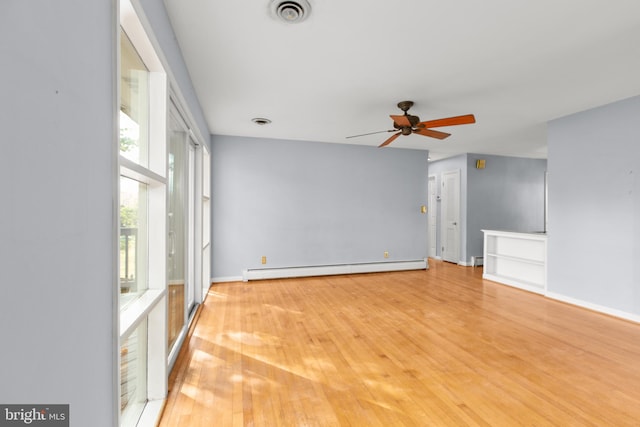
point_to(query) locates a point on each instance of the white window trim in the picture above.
(151, 305)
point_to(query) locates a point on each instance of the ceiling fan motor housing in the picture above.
(413, 120)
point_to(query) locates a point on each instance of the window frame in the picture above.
(149, 308)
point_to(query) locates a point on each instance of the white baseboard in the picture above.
(327, 270)
(226, 279)
(594, 307)
(475, 262)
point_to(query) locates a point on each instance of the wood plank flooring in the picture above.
(424, 348)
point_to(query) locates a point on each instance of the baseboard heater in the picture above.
(328, 270)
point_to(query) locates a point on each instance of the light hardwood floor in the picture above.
(425, 348)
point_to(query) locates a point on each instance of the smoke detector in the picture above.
(290, 11)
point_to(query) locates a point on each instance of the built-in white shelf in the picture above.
(516, 259)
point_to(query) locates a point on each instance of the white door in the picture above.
(450, 236)
(432, 212)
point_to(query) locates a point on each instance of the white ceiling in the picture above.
(515, 64)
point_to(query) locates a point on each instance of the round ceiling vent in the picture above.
(290, 11)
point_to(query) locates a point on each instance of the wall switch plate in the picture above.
(423, 209)
(386, 254)
(264, 260)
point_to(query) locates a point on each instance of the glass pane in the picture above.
(133, 375)
(133, 239)
(134, 104)
(177, 228)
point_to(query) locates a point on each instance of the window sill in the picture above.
(152, 413)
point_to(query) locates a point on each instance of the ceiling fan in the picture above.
(408, 124)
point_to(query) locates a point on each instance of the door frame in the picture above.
(432, 216)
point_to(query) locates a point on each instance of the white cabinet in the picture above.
(516, 259)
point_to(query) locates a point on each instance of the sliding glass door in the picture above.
(181, 226)
(191, 226)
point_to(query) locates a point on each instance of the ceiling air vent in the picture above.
(261, 121)
(290, 11)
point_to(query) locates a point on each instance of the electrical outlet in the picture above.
(386, 254)
(264, 260)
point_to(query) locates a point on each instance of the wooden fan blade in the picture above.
(432, 133)
(371, 133)
(449, 121)
(390, 140)
(401, 120)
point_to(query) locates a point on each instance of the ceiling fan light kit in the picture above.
(407, 124)
(290, 11)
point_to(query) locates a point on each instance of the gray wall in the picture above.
(57, 222)
(307, 203)
(594, 206)
(508, 194)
